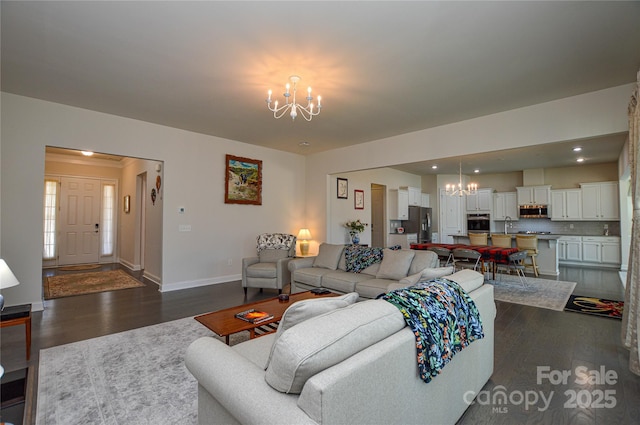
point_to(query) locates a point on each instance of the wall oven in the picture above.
(478, 222)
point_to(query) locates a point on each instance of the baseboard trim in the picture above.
(168, 287)
(130, 266)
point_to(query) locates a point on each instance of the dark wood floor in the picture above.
(526, 338)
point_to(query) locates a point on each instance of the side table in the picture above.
(18, 315)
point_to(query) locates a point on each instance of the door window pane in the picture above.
(50, 209)
(108, 216)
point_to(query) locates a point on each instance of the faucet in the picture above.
(507, 220)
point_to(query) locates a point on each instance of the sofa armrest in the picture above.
(301, 263)
(246, 262)
(238, 385)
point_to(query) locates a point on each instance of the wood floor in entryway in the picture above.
(527, 339)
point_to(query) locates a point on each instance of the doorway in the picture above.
(137, 230)
(378, 208)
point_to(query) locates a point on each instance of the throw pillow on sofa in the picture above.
(358, 258)
(303, 310)
(328, 256)
(395, 264)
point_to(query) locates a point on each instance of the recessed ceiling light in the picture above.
(304, 144)
(476, 171)
(87, 153)
(577, 149)
(580, 160)
(434, 167)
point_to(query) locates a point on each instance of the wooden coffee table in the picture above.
(224, 322)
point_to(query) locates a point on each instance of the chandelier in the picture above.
(457, 190)
(307, 112)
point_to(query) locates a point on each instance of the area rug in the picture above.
(595, 306)
(543, 293)
(68, 285)
(129, 378)
(79, 267)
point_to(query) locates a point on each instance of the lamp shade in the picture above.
(7, 278)
(304, 234)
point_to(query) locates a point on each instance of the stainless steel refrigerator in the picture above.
(419, 222)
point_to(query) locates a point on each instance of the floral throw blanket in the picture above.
(443, 318)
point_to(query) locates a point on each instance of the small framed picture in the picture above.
(127, 204)
(358, 199)
(343, 188)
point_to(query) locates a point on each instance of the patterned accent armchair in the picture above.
(270, 269)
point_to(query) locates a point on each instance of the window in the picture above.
(50, 209)
(108, 217)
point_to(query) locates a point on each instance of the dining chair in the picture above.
(466, 259)
(444, 255)
(529, 243)
(515, 264)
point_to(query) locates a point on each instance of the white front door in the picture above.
(79, 221)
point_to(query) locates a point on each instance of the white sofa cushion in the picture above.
(469, 280)
(395, 264)
(423, 260)
(328, 256)
(428, 274)
(303, 310)
(323, 341)
(272, 255)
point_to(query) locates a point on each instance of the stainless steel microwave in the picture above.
(534, 211)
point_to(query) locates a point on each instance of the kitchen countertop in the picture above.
(545, 236)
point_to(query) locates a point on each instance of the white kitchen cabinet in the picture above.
(566, 204)
(601, 249)
(570, 249)
(415, 195)
(480, 202)
(600, 201)
(426, 201)
(505, 204)
(398, 204)
(534, 195)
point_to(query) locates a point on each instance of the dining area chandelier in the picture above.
(458, 190)
(291, 105)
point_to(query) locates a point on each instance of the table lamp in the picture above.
(304, 235)
(7, 280)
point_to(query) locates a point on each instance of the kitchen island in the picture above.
(547, 258)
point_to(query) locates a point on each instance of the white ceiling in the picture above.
(382, 68)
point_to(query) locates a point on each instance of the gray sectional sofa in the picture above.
(367, 271)
(336, 361)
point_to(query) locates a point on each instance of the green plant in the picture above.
(355, 226)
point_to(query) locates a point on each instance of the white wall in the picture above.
(589, 115)
(193, 178)
(130, 236)
(343, 210)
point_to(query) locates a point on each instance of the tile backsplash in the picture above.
(577, 228)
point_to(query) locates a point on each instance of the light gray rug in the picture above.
(130, 378)
(543, 293)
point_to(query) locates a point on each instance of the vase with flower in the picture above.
(355, 227)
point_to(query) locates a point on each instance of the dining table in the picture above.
(490, 254)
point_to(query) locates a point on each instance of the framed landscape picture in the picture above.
(243, 181)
